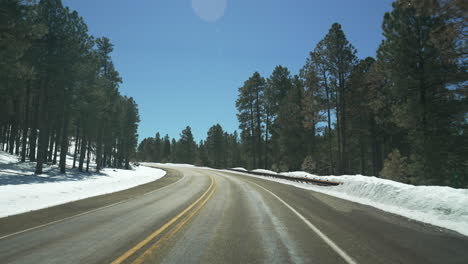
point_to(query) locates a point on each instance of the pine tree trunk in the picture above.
(64, 142)
(12, 138)
(26, 123)
(330, 149)
(254, 150)
(344, 155)
(42, 147)
(77, 143)
(338, 138)
(2, 137)
(34, 128)
(88, 155)
(375, 148)
(44, 131)
(363, 160)
(57, 144)
(82, 152)
(18, 142)
(266, 141)
(258, 129)
(99, 150)
(53, 136)
(7, 139)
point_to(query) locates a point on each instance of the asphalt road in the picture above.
(205, 216)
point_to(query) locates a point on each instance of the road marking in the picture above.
(325, 238)
(141, 259)
(145, 241)
(88, 212)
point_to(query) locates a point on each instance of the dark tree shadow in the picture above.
(23, 173)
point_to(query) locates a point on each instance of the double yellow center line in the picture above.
(183, 216)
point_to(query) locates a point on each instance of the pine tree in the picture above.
(420, 73)
(325, 97)
(360, 118)
(340, 58)
(290, 129)
(215, 146)
(314, 107)
(166, 153)
(277, 88)
(60, 80)
(186, 147)
(250, 105)
(157, 148)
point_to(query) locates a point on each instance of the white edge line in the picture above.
(88, 212)
(325, 238)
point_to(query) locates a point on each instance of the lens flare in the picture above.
(209, 10)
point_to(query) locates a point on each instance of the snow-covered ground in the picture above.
(176, 165)
(437, 205)
(264, 171)
(22, 191)
(239, 169)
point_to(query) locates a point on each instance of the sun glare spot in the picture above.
(209, 10)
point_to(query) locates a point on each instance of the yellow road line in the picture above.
(141, 259)
(132, 251)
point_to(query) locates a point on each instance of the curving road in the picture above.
(206, 216)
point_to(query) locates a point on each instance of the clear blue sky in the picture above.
(185, 67)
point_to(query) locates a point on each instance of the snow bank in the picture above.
(437, 205)
(264, 171)
(176, 165)
(21, 191)
(239, 169)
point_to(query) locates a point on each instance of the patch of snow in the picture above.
(6, 158)
(21, 191)
(264, 171)
(175, 165)
(437, 205)
(239, 169)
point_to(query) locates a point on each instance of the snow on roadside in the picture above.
(176, 165)
(437, 205)
(264, 171)
(239, 169)
(21, 191)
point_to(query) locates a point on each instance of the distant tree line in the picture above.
(219, 150)
(58, 86)
(402, 115)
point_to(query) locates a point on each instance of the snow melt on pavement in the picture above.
(437, 205)
(21, 191)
